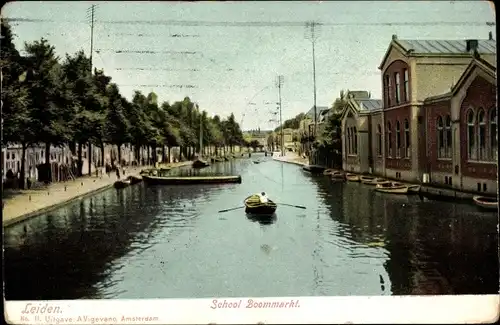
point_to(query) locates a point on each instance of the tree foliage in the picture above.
(293, 123)
(51, 101)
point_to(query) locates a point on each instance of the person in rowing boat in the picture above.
(263, 197)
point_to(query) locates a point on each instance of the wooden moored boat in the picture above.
(134, 179)
(368, 180)
(256, 162)
(314, 169)
(352, 177)
(169, 180)
(121, 183)
(414, 188)
(391, 187)
(254, 206)
(198, 163)
(328, 171)
(338, 176)
(487, 203)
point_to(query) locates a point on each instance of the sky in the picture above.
(230, 53)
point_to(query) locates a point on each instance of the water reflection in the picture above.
(170, 241)
(432, 247)
(263, 219)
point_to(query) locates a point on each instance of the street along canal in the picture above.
(170, 242)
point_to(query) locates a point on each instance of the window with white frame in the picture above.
(440, 138)
(398, 139)
(355, 131)
(379, 140)
(389, 140)
(481, 118)
(448, 137)
(397, 85)
(471, 134)
(389, 89)
(493, 135)
(406, 85)
(407, 138)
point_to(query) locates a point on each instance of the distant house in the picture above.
(358, 154)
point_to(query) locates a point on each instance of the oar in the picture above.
(291, 205)
(226, 210)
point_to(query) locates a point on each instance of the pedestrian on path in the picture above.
(117, 172)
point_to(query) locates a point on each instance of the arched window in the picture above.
(440, 137)
(481, 119)
(379, 140)
(471, 134)
(355, 131)
(398, 139)
(407, 139)
(448, 139)
(389, 140)
(348, 144)
(493, 134)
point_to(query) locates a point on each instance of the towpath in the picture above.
(28, 203)
(293, 158)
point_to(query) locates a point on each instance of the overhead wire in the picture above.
(252, 23)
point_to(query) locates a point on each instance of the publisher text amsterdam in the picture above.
(251, 303)
(96, 320)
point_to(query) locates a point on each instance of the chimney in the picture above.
(394, 37)
(471, 45)
(490, 36)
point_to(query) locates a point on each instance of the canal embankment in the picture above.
(428, 190)
(30, 203)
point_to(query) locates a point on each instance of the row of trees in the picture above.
(57, 102)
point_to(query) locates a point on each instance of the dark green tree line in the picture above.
(56, 102)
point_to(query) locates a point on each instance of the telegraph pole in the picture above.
(279, 83)
(91, 11)
(313, 35)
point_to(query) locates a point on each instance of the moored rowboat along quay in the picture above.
(31, 203)
(423, 189)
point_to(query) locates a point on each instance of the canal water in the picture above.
(171, 242)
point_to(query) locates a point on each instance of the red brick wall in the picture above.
(481, 93)
(433, 110)
(392, 116)
(396, 66)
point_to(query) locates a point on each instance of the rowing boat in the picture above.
(328, 171)
(121, 184)
(254, 205)
(484, 202)
(367, 180)
(391, 187)
(191, 180)
(198, 163)
(134, 179)
(414, 188)
(314, 169)
(338, 176)
(352, 177)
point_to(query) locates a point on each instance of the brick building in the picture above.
(412, 71)
(462, 146)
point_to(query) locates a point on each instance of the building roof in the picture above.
(369, 104)
(446, 46)
(361, 94)
(320, 110)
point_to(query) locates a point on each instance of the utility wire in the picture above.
(146, 52)
(155, 69)
(251, 23)
(160, 86)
